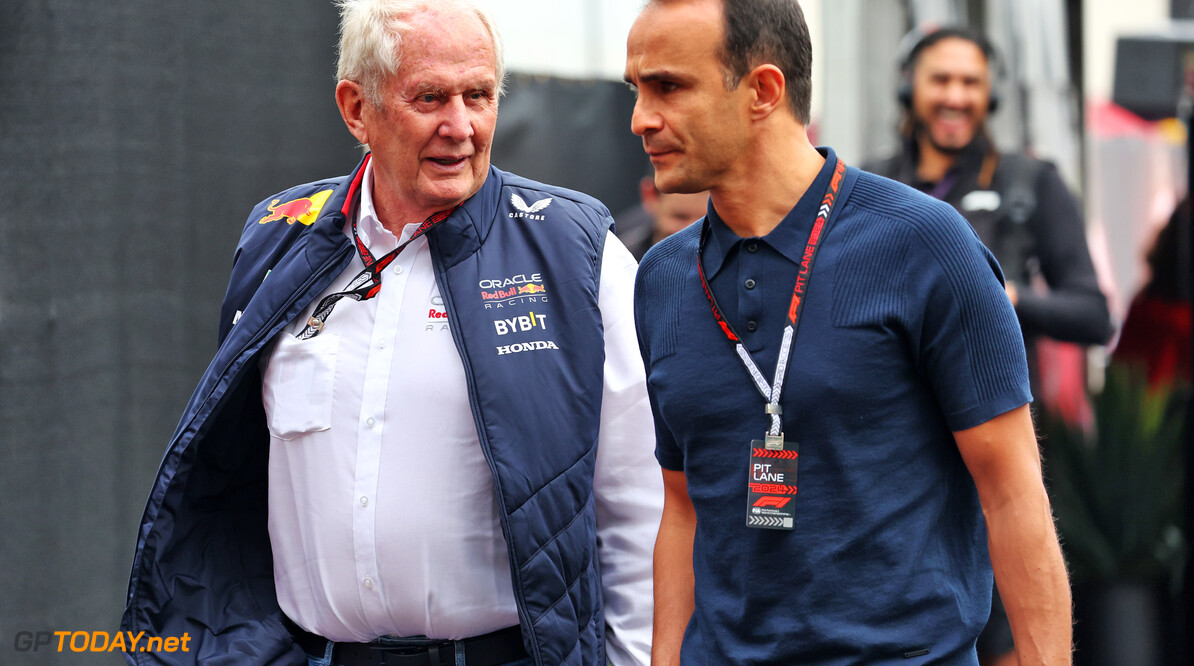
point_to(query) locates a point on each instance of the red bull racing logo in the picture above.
(304, 210)
(437, 315)
(513, 290)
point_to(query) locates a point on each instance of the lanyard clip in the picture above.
(774, 442)
(774, 409)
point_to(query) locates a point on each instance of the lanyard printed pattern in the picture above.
(771, 392)
(367, 283)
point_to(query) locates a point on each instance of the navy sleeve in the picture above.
(970, 346)
(647, 293)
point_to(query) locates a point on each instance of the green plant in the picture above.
(1116, 487)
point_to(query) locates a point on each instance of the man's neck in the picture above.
(394, 213)
(754, 203)
(932, 164)
(395, 218)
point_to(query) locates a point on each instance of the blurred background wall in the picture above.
(135, 137)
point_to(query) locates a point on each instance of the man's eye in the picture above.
(427, 98)
(668, 86)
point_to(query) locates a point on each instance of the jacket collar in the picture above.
(455, 238)
(461, 235)
(327, 234)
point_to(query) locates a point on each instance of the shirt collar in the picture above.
(368, 226)
(377, 238)
(788, 238)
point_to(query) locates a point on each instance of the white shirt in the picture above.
(382, 514)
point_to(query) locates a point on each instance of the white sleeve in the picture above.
(627, 480)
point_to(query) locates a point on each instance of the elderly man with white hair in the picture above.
(425, 437)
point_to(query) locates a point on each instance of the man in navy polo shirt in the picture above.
(837, 376)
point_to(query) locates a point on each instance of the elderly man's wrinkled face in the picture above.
(431, 139)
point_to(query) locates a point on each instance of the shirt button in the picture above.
(381, 343)
(752, 247)
(751, 325)
(397, 270)
(368, 583)
(750, 284)
(364, 501)
(372, 421)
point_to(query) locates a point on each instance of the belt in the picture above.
(490, 649)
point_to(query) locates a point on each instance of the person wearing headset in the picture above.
(1017, 204)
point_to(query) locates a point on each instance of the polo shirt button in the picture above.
(750, 284)
(752, 247)
(751, 325)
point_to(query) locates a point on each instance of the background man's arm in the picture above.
(1003, 458)
(1072, 309)
(673, 570)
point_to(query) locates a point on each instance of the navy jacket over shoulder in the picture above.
(203, 563)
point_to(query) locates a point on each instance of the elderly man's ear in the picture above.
(350, 98)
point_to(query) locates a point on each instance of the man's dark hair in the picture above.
(908, 62)
(769, 32)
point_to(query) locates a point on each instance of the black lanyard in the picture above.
(367, 283)
(771, 392)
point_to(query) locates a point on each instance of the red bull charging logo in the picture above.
(304, 210)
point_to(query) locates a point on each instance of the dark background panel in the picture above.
(134, 139)
(572, 133)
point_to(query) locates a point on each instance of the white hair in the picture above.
(371, 33)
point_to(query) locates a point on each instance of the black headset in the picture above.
(918, 39)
